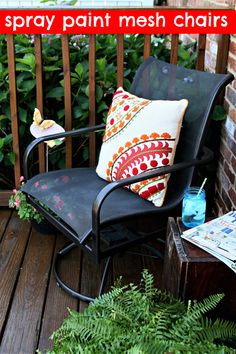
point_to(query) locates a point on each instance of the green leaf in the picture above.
(85, 105)
(79, 69)
(1, 156)
(12, 158)
(7, 112)
(55, 92)
(77, 111)
(23, 115)
(22, 67)
(27, 85)
(2, 142)
(87, 91)
(61, 113)
(74, 80)
(102, 106)
(219, 113)
(127, 72)
(29, 59)
(58, 141)
(3, 96)
(99, 93)
(51, 68)
(23, 76)
(8, 139)
(101, 64)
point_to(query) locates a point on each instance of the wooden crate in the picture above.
(191, 273)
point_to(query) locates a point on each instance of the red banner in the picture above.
(143, 21)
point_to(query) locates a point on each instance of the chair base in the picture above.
(61, 283)
(69, 290)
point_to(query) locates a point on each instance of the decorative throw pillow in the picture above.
(140, 135)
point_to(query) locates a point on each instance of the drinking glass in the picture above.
(194, 207)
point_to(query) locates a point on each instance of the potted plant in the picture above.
(26, 211)
(143, 320)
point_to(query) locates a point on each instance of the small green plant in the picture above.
(25, 210)
(141, 320)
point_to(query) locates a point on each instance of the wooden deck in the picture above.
(31, 304)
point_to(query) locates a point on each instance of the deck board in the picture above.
(32, 306)
(23, 324)
(12, 247)
(57, 300)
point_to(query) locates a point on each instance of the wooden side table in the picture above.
(191, 273)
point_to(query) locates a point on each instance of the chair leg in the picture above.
(105, 275)
(68, 289)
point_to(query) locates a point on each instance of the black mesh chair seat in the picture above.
(61, 192)
(82, 205)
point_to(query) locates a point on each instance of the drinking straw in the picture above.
(201, 188)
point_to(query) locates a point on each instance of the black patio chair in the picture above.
(101, 205)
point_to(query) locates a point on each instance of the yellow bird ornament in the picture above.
(43, 127)
(42, 123)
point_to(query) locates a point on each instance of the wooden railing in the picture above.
(201, 46)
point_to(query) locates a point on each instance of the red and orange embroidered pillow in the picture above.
(140, 135)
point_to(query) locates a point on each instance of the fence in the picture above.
(222, 54)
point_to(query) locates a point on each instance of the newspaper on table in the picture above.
(217, 237)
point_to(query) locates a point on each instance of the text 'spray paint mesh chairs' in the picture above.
(85, 206)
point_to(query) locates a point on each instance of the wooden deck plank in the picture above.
(21, 332)
(90, 279)
(4, 197)
(5, 216)
(58, 301)
(154, 266)
(129, 266)
(12, 249)
(32, 306)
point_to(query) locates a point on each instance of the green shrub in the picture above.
(142, 320)
(53, 85)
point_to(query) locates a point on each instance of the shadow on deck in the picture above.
(32, 306)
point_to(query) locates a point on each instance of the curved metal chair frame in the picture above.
(190, 154)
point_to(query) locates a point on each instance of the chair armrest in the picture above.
(207, 156)
(65, 134)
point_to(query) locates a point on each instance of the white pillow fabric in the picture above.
(140, 135)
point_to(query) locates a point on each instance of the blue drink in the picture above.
(194, 207)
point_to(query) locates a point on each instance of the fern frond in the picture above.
(189, 325)
(135, 319)
(216, 330)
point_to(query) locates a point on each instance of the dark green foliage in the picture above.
(53, 85)
(143, 320)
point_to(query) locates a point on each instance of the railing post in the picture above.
(92, 98)
(67, 96)
(120, 60)
(13, 107)
(39, 92)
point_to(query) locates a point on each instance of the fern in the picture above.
(143, 320)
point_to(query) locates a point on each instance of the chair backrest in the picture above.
(158, 80)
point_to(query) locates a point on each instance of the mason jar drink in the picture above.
(194, 207)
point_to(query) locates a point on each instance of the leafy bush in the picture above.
(25, 210)
(142, 320)
(53, 85)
